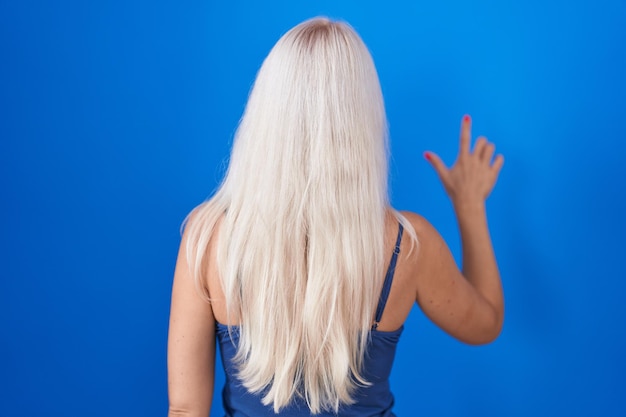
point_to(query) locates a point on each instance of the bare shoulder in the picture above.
(417, 221)
(432, 249)
(428, 238)
(418, 248)
(414, 264)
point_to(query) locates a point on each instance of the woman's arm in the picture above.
(190, 346)
(468, 305)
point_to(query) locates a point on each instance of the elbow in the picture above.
(176, 411)
(490, 330)
(498, 322)
(485, 328)
(185, 400)
(484, 338)
(184, 407)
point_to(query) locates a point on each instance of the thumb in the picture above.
(437, 163)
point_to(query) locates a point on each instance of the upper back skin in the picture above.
(403, 290)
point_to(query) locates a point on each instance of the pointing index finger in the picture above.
(466, 125)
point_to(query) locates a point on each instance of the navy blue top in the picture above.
(374, 400)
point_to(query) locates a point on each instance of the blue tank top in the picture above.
(375, 400)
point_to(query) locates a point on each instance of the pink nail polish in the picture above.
(466, 118)
(427, 156)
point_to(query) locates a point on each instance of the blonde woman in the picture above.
(299, 267)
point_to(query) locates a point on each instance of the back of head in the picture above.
(300, 248)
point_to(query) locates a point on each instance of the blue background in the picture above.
(116, 118)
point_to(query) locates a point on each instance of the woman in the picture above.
(297, 265)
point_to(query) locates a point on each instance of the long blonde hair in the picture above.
(303, 206)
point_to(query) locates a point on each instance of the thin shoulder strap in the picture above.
(384, 294)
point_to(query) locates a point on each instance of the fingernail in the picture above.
(466, 118)
(427, 156)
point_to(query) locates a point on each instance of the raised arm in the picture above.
(467, 305)
(190, 346)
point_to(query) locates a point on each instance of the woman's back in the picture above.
(291, 250)
(401, 297)
(375, 399)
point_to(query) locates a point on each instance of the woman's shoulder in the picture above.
(417, 221)
(424, 244)
(425, 232)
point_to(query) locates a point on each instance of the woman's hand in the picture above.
(473, 175)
